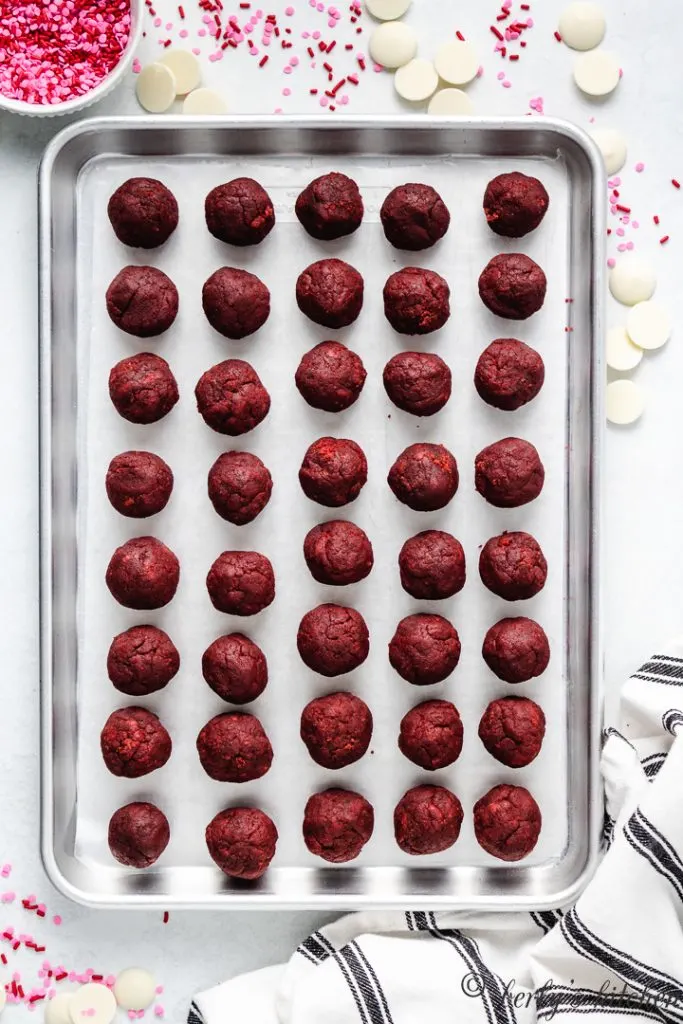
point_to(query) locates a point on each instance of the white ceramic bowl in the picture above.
(105, 86)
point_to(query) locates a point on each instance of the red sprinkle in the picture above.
(328, 67)
(460, 36)
(514, 56)
(338, 86)
(522, 43)
(676, 184)
(656, 219)
(663, 239)
(497, 33)
(3, 958)
(311, 52)
(313, 92)
(557, 36)
(36, 998)
(348, 46)
(623, 209)
(322, 46)
(166, 917)
(245, 6)
(525, 7)
(502, 17)
(361, 64)
(263, 61)
(331, 46)
(181, 12)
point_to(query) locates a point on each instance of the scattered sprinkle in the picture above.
(664, 239)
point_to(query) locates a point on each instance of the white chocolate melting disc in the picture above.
(450, 101)
(624, 402)
(620, 352)
(648, 325)
(632, 280)
(205, 101)
(596, 73)
(582, 25)
(393, 44)
(57, 1009)
(92, 1003)
(156, 88)
(387, 10)
(456, 62)
(185, 68)
(612, 145)
(134, 989)
(416, 80)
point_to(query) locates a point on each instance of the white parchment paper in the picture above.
(192, 529)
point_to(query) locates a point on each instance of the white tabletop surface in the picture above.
(643, 565)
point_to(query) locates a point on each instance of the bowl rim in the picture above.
(100, 90)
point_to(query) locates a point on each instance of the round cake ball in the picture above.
(507, 822)
(333, 639)
(330, 293)
(142, 301)
(414, 217)
(330, 376)
(427, 819)
(138, 484)
(431, 735)
(241, 583)
(512, 730)
(509, 374)
(337, 824)
(336, 729)
(333, 472)
(138, 835)
(235, 668)
(330, 207)
(338, 553)
(134, 743)
(142, 388)
(515, 204)
(516, 650)
(424, 477)
(143, 213)
(418, 382)
(416, 301)
(509, 473)
(142, 660)
(233, 747)
(242, 842)
(231, 398)
(239, 487)
(143, 574)
(513, 566)
(236, 303)
(432, 566)
(424, 649)
(239, 212)
(512, 285)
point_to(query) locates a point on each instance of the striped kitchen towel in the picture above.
(617, 952)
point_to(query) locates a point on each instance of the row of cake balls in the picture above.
(508, 474)
(337, 825)
(143, 574)
(143, 659)
(144, 213)
(330, 377)
(336, 730)
(143, 300)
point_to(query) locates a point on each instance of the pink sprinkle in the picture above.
(629, 246)
(500, 76)
(305, 35)
(377, 68)
(312, 3)
(286, 92)
(621, 247)
(331, 22)
(133, 1014)
(157, 22)
(158, 1011)
(324, 101)
(506, 84)
(320, 7)
(625, 219)
(294, 61)
(529, 22)
(278, 110)
(183, 33)
(316, 34)
(612, 208)
(639, 168)
(480, 71)
(635, 224)
(196, 51)
(343, 100)
(620, 232)
(289, 11)
(8, 897)
(288, 70)
(159, 989)
(202, 32)
(616, 182)
(169, 26)
(6, 870)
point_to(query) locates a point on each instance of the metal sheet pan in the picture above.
(79, 531)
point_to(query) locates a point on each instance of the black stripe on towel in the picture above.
(652, 764)
(661, 668)
(672, 720)
(194, 1016)
(637, 975)
(658, 851)
(657, 679)
(546, 919)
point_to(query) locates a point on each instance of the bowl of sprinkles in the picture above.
(59, 56)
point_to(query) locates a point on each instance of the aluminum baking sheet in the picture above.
(82, 431)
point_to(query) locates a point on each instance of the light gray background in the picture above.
(643, 567)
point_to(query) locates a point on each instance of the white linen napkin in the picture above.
(618, 951)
